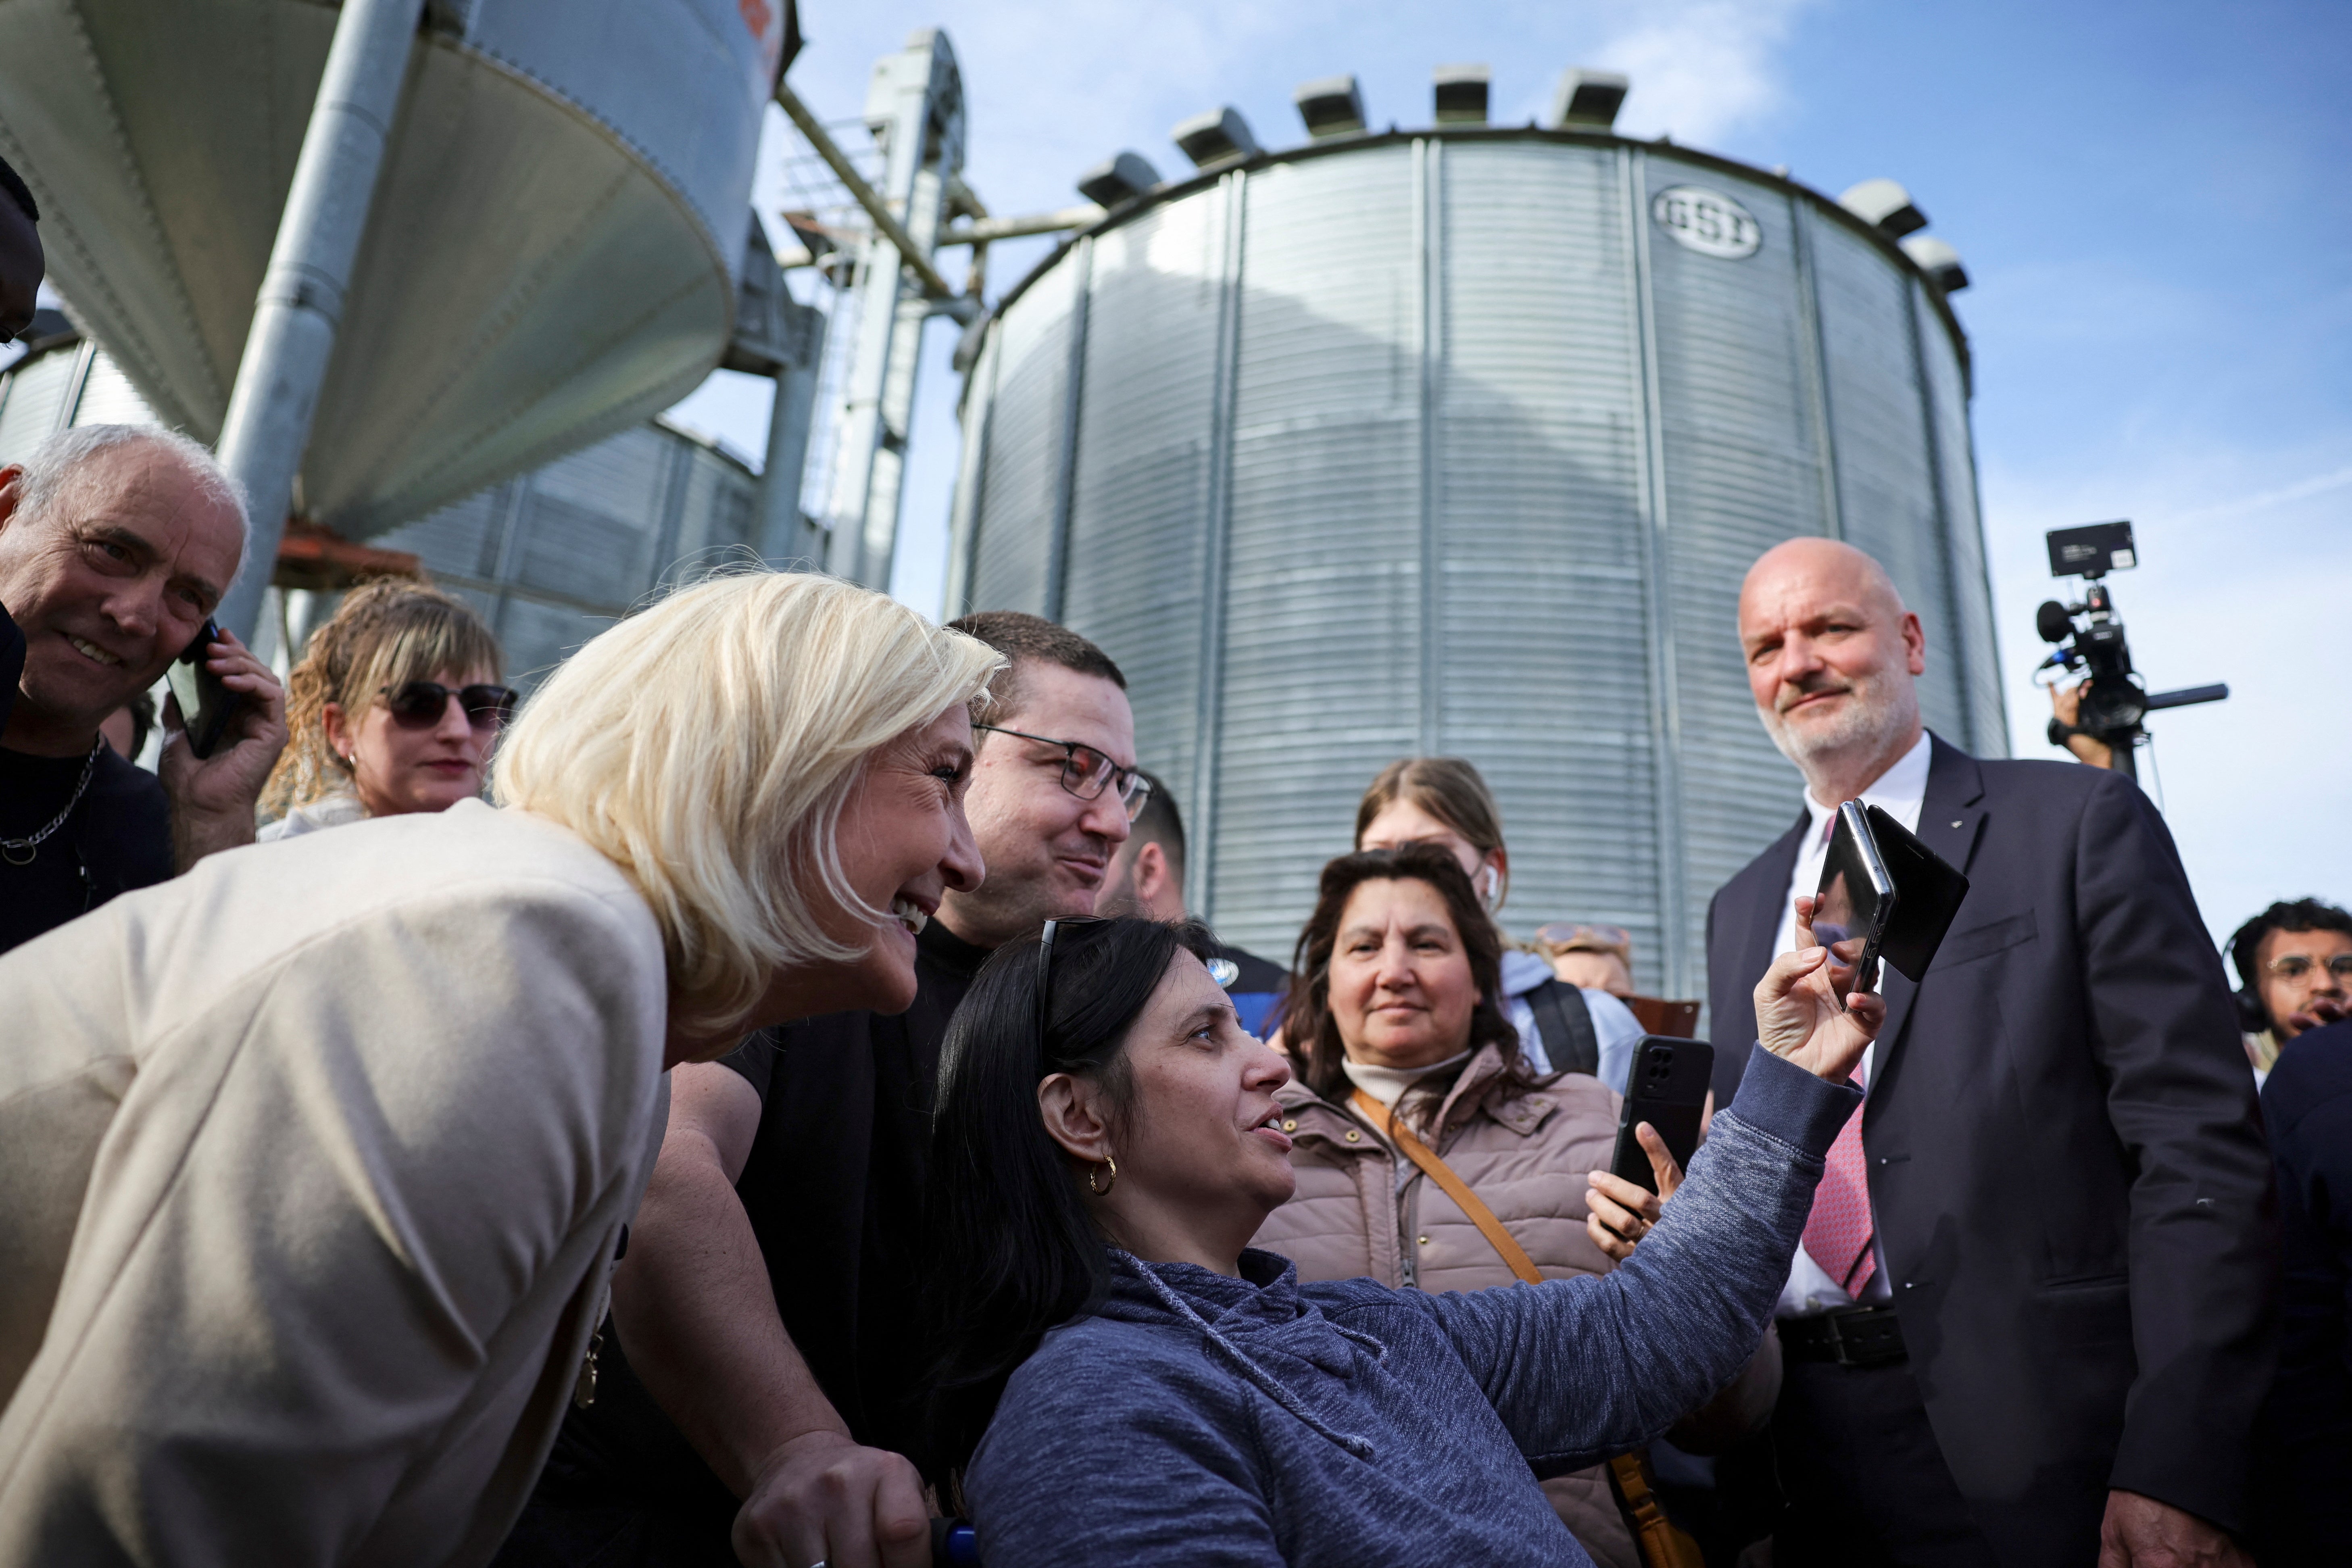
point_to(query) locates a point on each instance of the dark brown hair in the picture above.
(2298, 915)
(1021, 637)
(1307, 1025)
(1010, 1251)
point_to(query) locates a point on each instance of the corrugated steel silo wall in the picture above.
(549, 558)
(1440, 445)
(1543, 555)
(1323, 612)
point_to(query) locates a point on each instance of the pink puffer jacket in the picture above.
(1529, 1159)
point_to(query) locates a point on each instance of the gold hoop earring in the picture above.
(1103, 1192)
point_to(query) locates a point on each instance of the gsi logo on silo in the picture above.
(1707, 221)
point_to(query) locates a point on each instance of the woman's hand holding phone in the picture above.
(1807, 1009)
(1619, 1213)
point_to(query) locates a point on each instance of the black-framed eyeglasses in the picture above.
(1046, 965)
(419, 704)
(1087, 773)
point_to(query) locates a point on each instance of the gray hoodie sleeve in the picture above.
(1582, 1368)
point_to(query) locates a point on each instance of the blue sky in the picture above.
(2149, 198)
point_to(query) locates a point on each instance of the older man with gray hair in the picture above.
(116, 542)
(2034, 1310)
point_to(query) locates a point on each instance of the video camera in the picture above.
(2090, 638)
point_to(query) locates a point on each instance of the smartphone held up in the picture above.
(1883, 886)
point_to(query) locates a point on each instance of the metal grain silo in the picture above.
(1459, 442)
(551, 254)
(550, 556)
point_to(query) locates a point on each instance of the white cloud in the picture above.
(1702, 71)
(2240, 581)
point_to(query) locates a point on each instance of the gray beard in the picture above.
(1875, 717)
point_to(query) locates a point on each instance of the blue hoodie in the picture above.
(1204, 1421)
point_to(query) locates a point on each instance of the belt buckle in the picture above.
(1880, 1343)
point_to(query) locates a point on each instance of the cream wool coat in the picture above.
(312, 1166)
(1360, 1209)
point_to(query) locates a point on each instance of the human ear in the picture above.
(340, 739)
(1150, 873)
(1072, 1110)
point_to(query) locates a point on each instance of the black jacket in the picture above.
(833, 1191)
(2305, 1454)
(2066, 1161)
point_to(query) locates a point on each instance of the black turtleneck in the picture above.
(833, 1189)
(835, 1183)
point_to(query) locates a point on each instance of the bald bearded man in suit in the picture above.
(2033, 1314)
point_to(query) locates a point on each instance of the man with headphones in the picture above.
(2297, 960)
(2294, 974)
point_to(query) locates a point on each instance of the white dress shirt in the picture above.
(1899, 791)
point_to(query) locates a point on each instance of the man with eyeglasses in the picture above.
(2296, 960)
(767, 1303)
(2295, 965)
(116, 541)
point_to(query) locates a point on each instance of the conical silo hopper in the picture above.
(550, 253)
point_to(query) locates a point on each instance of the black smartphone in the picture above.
(1880, 883)
(1668, 1089)
(1857, 896)
(1930, 890)
(206, 705)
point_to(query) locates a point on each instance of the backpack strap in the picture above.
(1564, 1023)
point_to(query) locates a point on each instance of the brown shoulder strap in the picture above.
(1451, 1185)
(1661, 1544)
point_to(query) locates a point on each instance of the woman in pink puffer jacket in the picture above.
(1399, 960)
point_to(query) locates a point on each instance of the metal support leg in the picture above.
(301, 300)
(786, 537)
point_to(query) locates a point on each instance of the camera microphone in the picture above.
(2090, 638)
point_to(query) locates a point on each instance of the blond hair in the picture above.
(384, 634)
(1450, 789)
(707, 746)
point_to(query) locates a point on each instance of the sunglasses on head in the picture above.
(420, 704)
(1046, 965)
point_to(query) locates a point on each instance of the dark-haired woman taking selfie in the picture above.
(1122, 1381)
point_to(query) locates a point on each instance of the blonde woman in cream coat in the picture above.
(314, 1161)
(1400, 963)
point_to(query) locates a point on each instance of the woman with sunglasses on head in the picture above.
(1123, 1381)
(395, 707)
(1407, 1072)
(317, 1159)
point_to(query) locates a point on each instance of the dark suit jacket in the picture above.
(2066, 1161)
(2305, 1454)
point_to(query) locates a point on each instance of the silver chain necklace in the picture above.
(20, 851)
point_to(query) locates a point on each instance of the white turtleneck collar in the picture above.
(1388, 1085)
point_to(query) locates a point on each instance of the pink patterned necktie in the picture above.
(1839, 1233)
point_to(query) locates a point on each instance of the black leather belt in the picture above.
(1853, 1336)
